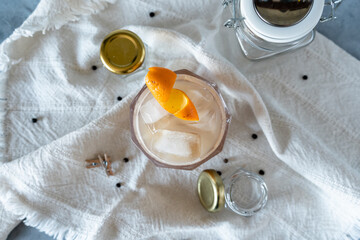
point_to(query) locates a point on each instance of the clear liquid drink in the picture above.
(172, 142)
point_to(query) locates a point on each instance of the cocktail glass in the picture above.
(175, 143)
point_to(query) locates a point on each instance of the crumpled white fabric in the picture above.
(308, 131)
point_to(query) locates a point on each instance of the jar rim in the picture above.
(278, 34)
(248, 206)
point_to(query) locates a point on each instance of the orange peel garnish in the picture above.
(160, 82)
(181, 106)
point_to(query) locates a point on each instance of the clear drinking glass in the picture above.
(175, 143)
(243, 192)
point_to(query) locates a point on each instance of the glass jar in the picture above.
(123, 52)
(268, 27)
(243, 192)
(175, 143)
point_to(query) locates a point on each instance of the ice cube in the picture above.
(151, 111)
(180, 144)
(209, 121)
(201, 98)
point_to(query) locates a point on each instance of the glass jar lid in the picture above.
(264, 24)
(282, 12)
(122, 52)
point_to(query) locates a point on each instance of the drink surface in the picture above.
(175, 141)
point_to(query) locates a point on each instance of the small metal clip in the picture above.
(100, 162)
(233, 22)
(226, 3)
(333, 4)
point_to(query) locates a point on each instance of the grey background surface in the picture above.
(344, 31)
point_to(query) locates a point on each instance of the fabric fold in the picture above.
(9, 220)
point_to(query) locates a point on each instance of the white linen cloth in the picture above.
(308, 131)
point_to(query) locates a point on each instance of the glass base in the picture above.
(255, 48)
(245, 192)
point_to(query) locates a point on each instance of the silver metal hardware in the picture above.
(333, 4)
(101, 162)
(234, 21)
(226, 3)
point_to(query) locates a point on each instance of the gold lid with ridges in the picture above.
(122, 52)
(211, 190)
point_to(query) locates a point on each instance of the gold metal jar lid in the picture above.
(211, 190)
(122, 52)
